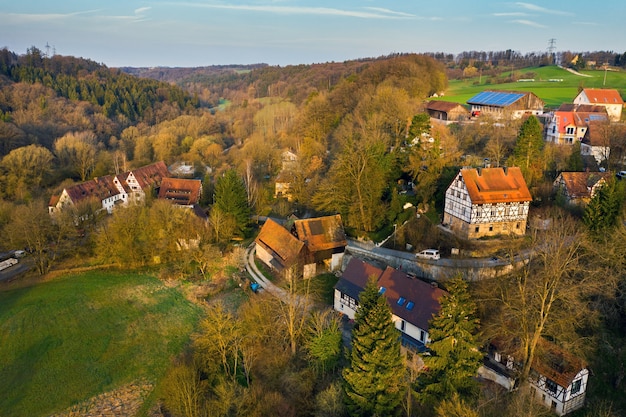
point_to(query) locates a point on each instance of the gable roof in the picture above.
(557, 364)
(101, 187)
(355, 277)
(150, 175)
(424, 296)
(580, 184)
(602, 96)
(180, 191)
(321, 233)
(588, 108)
(495, 185)
(444, 106)
(280, 243)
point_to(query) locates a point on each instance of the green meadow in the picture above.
(553, 93)
(67, 340)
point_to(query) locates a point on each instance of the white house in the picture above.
(487, 202)
(608, 98)
(557, 379)
(413, 302)
(597, 142)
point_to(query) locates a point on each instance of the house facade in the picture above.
(597, 142)
(499, 104)
(281, 251)
(565, 127)
(579, 187)
(110, 190)
(413, 302)
(557, 379)
(607, 98)
(487, 202)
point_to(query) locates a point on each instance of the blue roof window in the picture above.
(401, 301)
(382, 290)
(410, 305)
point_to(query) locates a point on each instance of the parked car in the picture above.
(621, 174)
(429, 254)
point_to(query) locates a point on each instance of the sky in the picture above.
(196, 33)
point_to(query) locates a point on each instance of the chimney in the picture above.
(506, 170)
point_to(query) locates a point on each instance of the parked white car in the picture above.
(428, 254)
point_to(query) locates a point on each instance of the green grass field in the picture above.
(552, 93)
(67, 340)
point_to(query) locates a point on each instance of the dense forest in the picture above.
(365, 149)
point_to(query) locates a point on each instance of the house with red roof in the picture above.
(608, 98)
(413, 302)
(569, 123)
(304, 247)
(557, 379)
(181, 191)
(112, 190)
(487, 202)
(579, 187)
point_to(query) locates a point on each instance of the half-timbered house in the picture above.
(487, 202)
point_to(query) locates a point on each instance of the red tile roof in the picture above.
(495, 185)
(181, 191)
(277, 240)
(150, 175)
(603, 96)
(101, 188)
(557, 364)
(321, 233)
(579, 184)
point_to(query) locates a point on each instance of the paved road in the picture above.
(258, 276)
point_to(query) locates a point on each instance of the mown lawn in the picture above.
(67, 340)
(552, 93)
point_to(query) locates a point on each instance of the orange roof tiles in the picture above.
(579, 184)
(282, 244)
(495, 185)
(321, 233)
(603, 96)
(181, 191)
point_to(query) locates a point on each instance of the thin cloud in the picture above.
(373, 13)
(535, 8)
(42, 17)
(528, 23)
(510, 14)
(142, 10)
(390, 12)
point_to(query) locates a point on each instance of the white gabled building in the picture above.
(557, 379)
(487, 202)
(606, 97)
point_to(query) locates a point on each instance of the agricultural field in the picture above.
(552, 84)
(65, 341)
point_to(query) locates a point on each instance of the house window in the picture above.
(491, 227)
(422, 336)
(576, 386)
(403, 325)
(517, 225)
(551, 386)
(476, 229)
(570, 130)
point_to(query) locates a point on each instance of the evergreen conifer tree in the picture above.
(528, 150)
(231, 198)
(454, 358)
(373, 380)
(602, 211)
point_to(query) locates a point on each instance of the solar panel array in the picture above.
(495, 98)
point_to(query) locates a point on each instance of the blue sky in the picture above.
(283, 32)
